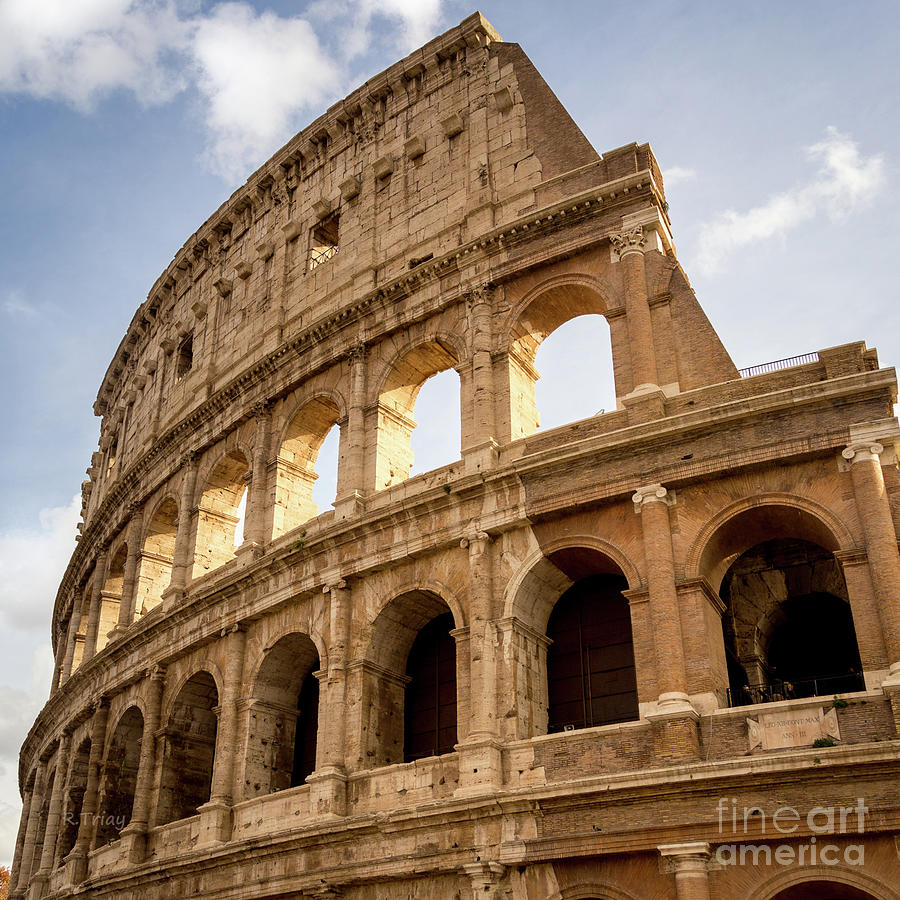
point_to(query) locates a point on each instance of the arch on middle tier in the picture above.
(397, 389)
(157, 556)
(119, 776)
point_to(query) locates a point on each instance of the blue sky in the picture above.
(125, 123)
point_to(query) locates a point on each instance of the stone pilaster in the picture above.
(215, 816)
(628, 248)
(27, 860)
(78, 858)
(255, 537)
(328, 784)
(689, 862)
(54, 812)
(93, 623)
(483, 451)
(20, 839)
(674, 719)
(351, 488)
(484, 880)
(881, 542)
(480, 765)
(129, 578)
(134, 835)
(182, 563)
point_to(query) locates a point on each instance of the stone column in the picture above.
(79, 853)
(485, 879)
(20, 840)
(215, 816)
(689, 862)
(59, 660)
(628, 248)
(134, 835)
(26, 860)
(480, 765)
(881, 542)
(328, 784)
(182, 564)
(674, 719)
(255, 537)
(93, 623)
(71, 633)
(129, 577)
(483, 451)
(54, 812)
(351, 487)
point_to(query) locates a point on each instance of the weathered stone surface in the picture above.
(242, 721)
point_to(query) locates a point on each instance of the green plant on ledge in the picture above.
(840, 704)
(824, 742)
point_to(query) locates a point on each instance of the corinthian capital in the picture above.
(631, 240)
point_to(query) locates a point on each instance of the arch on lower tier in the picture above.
(726, 535)
(189, 751)
(866, 887)
(283, 712)
(119, 776)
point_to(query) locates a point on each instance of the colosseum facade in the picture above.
(596, 661)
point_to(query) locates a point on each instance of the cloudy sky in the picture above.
(125, 123)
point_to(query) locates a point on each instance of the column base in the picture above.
(134, 844)
(249, 552)
(481, 457)
(645, 403)
(171, 597)
(76, 867)
(676, 732)
(350, 506)
(480, 767)
(327, 793)
(37, 886)
(215, 823)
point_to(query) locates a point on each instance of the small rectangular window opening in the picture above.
(185, 356)
(323, 242)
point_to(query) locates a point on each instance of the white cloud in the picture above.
(677, 175)
(256, 72)
(16, 306)
(31, 565)
(845, 182)
(79, 51)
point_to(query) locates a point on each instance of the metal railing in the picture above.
(825, 686)
(777, 364)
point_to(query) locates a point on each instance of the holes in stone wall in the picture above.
(184, 358)
(324, 241)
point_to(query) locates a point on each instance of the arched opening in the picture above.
(576, 372)
(74, 798)
(396, 403)
(157, 555)
(298, 463)
(84, 609)
(435, 441)
(430, 701)
(190, 749)
(43, 816)
(284, 718)
(788, 628)
(581, 393)
(218, 513)
(590, 661)
(822, 890)
(409, 688)
(119, 777)
(111, 596)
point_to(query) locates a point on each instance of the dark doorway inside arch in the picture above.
(590, 664)
(430, 696)
(788, 627)
(120, 777)
(305, 737)
(822, 890)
